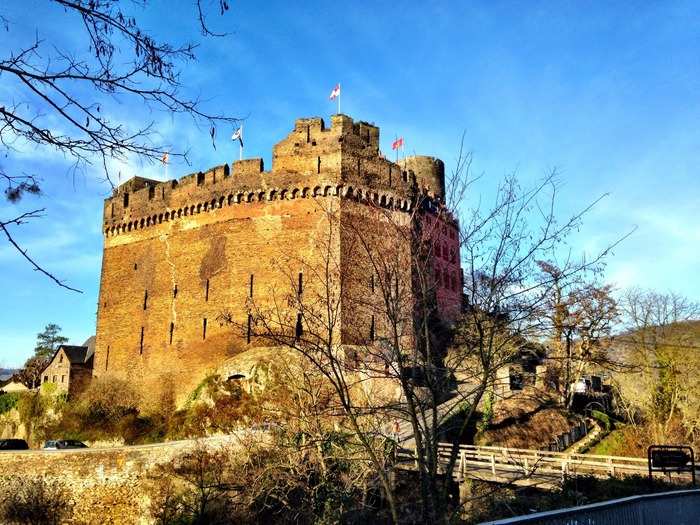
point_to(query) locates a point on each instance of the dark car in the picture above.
(13, 444)
(69, 443)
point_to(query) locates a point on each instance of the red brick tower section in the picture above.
(179, 253)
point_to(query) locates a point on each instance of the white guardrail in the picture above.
(528, 461)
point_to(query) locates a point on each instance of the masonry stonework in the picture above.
(179, 253)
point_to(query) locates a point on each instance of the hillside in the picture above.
(7, 373)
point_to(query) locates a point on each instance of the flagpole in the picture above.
(240, 144)
(339, 102)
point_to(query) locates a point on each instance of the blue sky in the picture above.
(606, 92)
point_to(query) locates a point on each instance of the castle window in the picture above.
(111, 213)
(141, 342)
(126, 200)
(308, 134)
(299, 329)
(200, 178)
(172, 329)
(136, 266)
(54, 379)
(60, 358)
(250, 326)
(63, 379)
(300, 286)
(46, 379)
(162, 192)
(371, 282)
(175, 292)
(250, 291)
(405, 176)
(371, 329)
(151, 192)
(145, 299)
(204, 328)
(227, 172)
(318, 164)
(206, 291)
(107, 359)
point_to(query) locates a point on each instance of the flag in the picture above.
(336, 92)
(398, 143)
(238, 135)
(165, 158)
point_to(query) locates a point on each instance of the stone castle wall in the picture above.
(179, 254)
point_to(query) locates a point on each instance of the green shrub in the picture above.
(603, 419)
(8, 401)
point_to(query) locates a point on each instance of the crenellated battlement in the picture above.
(310, 159)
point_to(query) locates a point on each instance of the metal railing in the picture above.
(681, 507)
(473, 460)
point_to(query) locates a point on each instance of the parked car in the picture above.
(69, 443)
(62, 444)
(13, 444)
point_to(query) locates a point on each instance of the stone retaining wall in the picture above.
(109, 485)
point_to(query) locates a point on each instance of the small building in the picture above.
(12, 386)
(70, 368)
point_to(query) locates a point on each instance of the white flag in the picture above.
(238, 135)
(336, 92)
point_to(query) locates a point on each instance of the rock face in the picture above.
(178, 254)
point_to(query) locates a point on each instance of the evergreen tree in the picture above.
(48, 341)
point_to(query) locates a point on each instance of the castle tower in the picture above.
(180, 253)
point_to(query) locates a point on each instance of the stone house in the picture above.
(70, 368)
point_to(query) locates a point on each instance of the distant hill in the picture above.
(681, 337)
(7, 373)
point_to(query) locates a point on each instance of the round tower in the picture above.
(429, 172)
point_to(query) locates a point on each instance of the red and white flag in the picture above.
(398, 143)
(165, 158)
(335, 93)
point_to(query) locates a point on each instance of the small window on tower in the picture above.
(175, 292)
(141, 342)
(250, 327)
(371, 329)
(172, 329)
(151, 192)
(145, 299)
(300, 286)
(299, 327)
(250, 291)
(126, 200)
(206, 291)
(204, 328)
(200, 178)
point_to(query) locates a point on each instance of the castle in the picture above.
(178, 253)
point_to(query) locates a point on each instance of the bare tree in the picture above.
(582, 315)
(660, 339)
(62, 96)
